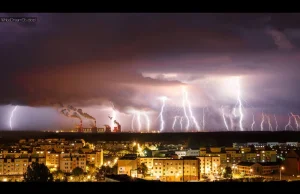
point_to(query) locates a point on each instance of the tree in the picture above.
(228, 172)
(38, 173)
(99, 175)
(144, 169)
(91, 169)
(105, 169)
(114, 169)
(78, 173)
(59, 175)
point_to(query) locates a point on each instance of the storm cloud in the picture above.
(132, 59)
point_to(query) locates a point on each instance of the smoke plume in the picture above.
(72, 108)
(76, 115)
(85, 115)
(65, 112)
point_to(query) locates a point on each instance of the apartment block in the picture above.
(261, 168)
(95, 157)
(17, 166)
(127, 164)
(52, 159)
(209, 164)
(184, 169)
(68, 163)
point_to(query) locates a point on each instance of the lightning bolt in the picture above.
(253, 122)
(270, 124)
(234, 109)
(190, 110)
(289, 124)
(162, 122)
(148, 121)
(276, 122)
(112, 123)
(224, 119)
(295, 118)
(11, 116)
(240, 104)
(262, 122)
(181, 119)
(132, 122)
(184, 111)
(233, 112)
(139, 121)
(174, 123)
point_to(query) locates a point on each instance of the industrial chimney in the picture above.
(95, 123)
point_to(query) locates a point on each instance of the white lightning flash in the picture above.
(262, 122)
(289, 124)
(240, 104)
(234, 109)
(270, 124)
(162, 122)
(181, 119)
(11, 116)
(148, 121)
(224, 119)
(113, 117)
(174, 123)
(296, 122)
(139, 121)
(275, 119)
(253, 122)
(190, 110)
(184, 111)
(297, 116)
(233, 112)
(132, 122)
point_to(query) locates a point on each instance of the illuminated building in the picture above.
(292, 163)
(180, 153)
(230, 156)
(185, 169)
(251, 168)
(52, 159)
(209, 164)
(148, 161)
(68, 163)
(95, 157)
(127, 164)
(17, 166)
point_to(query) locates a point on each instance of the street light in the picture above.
(251, 170)
(281, 168)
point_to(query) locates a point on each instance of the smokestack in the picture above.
(115, 121)
(95, 124)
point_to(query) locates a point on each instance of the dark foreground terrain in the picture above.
(194, 139)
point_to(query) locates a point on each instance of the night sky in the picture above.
(92, 61)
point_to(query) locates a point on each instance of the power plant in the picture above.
(72, 112)
(95, 129)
